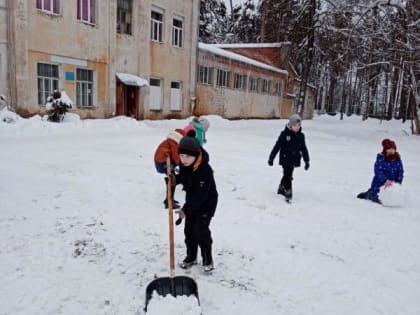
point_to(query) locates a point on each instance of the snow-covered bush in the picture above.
(58, 105)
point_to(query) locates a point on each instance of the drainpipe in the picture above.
(10, 59)
(192, 76)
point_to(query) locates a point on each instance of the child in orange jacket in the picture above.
(169, 147)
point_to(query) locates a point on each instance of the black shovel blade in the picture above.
(176, 286)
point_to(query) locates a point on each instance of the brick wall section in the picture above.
(233, 103)
(267, 55)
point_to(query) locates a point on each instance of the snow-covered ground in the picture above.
(83, 230)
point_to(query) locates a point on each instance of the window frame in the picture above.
(173, 106)
(222, 78)
(45, 93)
(41, 5)
(240, 81)
(177, 32)
(266, 84)
(254, 84)
(157, 33)
(85, 97)
(128, 25)
(151, 84)
(91, 18)
(276, 88)
(205, 75)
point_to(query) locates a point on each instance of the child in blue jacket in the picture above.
(388, 170)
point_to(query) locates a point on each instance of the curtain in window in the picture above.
(92, 11)
(86, 10)
(56, 7)
(47, 5)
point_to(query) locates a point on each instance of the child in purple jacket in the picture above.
(388, 170)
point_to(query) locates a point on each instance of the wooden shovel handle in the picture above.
(171, 218)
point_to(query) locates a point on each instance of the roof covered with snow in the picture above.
(214, 49)
(253, 45)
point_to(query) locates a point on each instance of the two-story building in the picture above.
(112, 57)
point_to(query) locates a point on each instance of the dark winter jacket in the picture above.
(291, 146)
(386, 170)
(199, 185)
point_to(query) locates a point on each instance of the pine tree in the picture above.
(213, 21)
(245, 23)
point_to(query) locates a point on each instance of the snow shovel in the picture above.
(179, 285)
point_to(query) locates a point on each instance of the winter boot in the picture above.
(188, 262)
(362, 195)
(373, 197)
(281, 190)
(288, 194)
(207, 258)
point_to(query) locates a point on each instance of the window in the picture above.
(155, 94)
(276, 88)
(177, 31)
(156, 25)
(222, 78)
(84, 81)
(124, 14)
(50, 6)
(48, 80)
(266, 86)
(175, 96)
(240, 81)
(205, 75)
(254, 85)
(86, 11)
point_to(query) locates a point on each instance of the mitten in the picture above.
(306, 166)
(270, 162)
(181, 216)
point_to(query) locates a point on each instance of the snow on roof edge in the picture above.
(131, 79)
(230, 55)
(252, 45)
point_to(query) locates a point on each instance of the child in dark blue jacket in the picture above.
(388, 170)
(291, 147)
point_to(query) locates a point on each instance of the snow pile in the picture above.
(180, 305)
(7, 116)
(71, 117)
(83, 230)
(393, 196)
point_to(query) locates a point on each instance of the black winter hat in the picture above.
(190, 146)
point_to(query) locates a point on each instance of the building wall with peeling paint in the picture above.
(63, 40)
